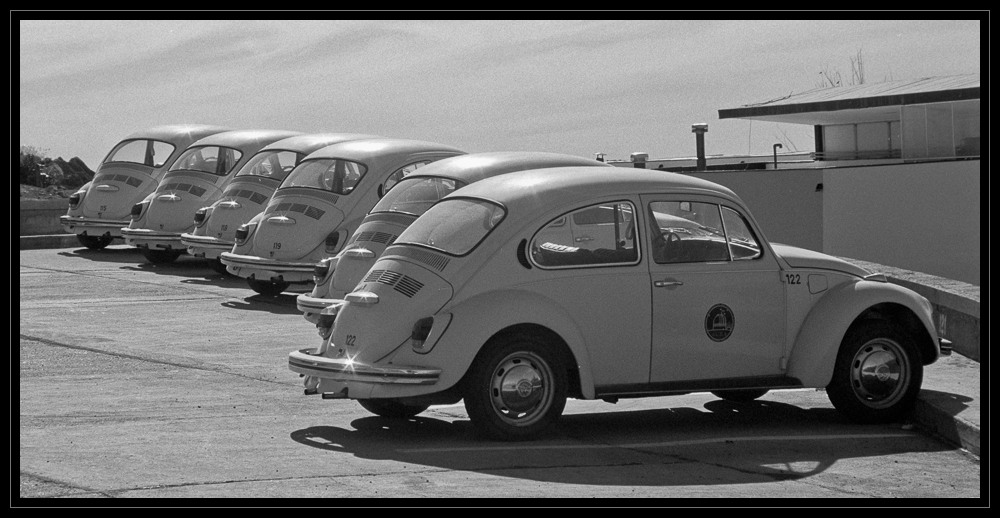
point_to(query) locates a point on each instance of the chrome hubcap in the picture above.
(880, 373)
(520, 388)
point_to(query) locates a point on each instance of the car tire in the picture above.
(267, 288)
(877, 375)
(94, 242)
(391, 408)
(160, 256)
(516, 388)
(739, 395)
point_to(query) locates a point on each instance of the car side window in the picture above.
(598, 235)
(401, 173)
(687, 232)
(743, 244)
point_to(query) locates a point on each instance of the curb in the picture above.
(50, 241)
(949, 427)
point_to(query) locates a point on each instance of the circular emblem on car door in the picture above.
(719, 322)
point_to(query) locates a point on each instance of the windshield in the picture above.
(215, 160)
(274, 164)
(416, 195)
(454, 226)
(151, 153)
(327, 174)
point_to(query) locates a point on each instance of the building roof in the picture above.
(859, 103)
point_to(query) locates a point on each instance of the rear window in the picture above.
(152, 153)
(215, 160)
(454, 226)
(416, 195)
(274, 164)
(326, 174)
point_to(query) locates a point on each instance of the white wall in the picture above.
(785, 203)
(923, 217)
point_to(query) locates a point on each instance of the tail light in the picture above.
(321, 269)
(242, 234)
(200, 217)
(421, 329)
(331, 242)
(136, 210)
(74, 199)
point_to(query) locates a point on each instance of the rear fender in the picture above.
(815, 350)
(478, 319)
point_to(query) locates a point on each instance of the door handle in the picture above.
(667, 283)
(583, 238)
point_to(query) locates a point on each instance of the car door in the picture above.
(718, 303)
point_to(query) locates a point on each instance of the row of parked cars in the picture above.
(509, 280)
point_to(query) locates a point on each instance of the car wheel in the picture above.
(516, 388)
(219, 267)
(94, 242)
(877, 374)
(267, 288)
(391, 408)
(739, 395)
(160, 256)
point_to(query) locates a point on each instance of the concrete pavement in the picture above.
(948, 405)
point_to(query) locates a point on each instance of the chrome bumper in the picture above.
(113, 227)
(206, 242)
(207, 246)
(309, 304)
(144, 236)
(309, 363)
(254, 262)
(945, 346)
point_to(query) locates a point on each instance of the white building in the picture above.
(894, 179)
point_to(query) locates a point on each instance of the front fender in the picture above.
(476, 320)
(815, 349)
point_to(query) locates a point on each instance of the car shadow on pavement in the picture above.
(280, 305)
(952, 404)
(107, 255)
(730, 443)
(191, 267)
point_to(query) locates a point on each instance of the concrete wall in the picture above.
(923, 217)
(955, 303)
(41, 217)
(785, 203)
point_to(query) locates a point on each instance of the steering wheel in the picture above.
(667, 246)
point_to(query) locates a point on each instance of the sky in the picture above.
(577, 87)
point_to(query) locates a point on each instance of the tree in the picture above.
(828, 78)
(31, 161)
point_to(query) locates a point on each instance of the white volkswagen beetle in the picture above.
(411, 197)
(195, 180)
(131, 171)
(318, 206)
(521, 290)
(249, 191)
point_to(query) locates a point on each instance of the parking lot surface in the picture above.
(171, 381)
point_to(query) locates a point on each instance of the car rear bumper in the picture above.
(248, 266)
(92, 226)
(309, 304)
(309, 363)
(205, 246)
(144, 237)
